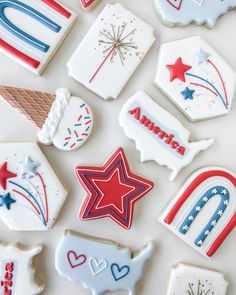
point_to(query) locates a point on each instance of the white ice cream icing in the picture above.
(55, 115)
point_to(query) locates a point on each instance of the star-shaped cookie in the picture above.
(112, 190)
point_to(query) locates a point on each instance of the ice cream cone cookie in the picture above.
(64, 120)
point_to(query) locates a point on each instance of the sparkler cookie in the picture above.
(89, 4)
(111, 51)
(192, 280)
(32, 36)
(31, 195)
(158, 135)
(64, 120)
(195, 78)
(184, 12)
(203, 213)
(100, 265)
(17, 271)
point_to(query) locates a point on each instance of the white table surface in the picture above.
(106, 137)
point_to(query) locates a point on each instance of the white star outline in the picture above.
(121, 183)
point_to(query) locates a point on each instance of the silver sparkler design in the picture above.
(199, 290)
(118, 41)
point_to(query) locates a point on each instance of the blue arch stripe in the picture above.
(7, 24)
(215, 191)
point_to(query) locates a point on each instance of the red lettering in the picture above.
(181, 150)
(169, 138)
(136, 113)
(174, 144)
(9, 267)
(156, 129)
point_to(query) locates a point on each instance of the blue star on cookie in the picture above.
(202, 56)
(188, 93)
(28, 167)
(6, 200)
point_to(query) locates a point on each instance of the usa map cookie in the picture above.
(193, 280)
(203, 213)
(31, 195)
(100, 265)
(111, 189)
(184, 12)
(195, 78)
(31, 31)
(17, 271)
(65, 121)
(89, 4)
(111, 51)
(158, 135)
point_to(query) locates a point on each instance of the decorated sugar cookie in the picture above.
(31, 31)
(112, 190)
(65, 121)
(89, 4)
(100, 265)
(17, 271)
(31, 195)
(184, 12)
(195, 78)
(158, 135)
(207, 203)
(111, 51)
(192, 280)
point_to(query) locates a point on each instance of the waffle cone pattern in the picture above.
(33, 105)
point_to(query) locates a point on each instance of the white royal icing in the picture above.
(32, 197)
(58, 108)
(111, 51)
(17, 274)
(188, 279)
(209, 87)
(100, 265)
(32, 30)
(158, 135)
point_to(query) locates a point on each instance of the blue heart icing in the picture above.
(119, 272)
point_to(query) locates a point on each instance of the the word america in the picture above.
(161, 134)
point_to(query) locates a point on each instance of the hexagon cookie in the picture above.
(184, 12)
(195, 78)
(31, 195)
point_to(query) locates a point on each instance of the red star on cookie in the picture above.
(112, 190)
(4, 175)
(178, 70)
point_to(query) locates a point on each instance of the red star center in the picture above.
(4, 175)
(110, 196)
(178, 70)
(112, 190)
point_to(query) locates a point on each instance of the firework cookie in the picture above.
(112, 190)
(184, 12)
(64, 120)
(111, 51)
(31, 195)
(32, 36)
(195, 78)
(89, 4)
(17, 271)
(100, 265)
(192, 280)
(206, 204)
(158, 135)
